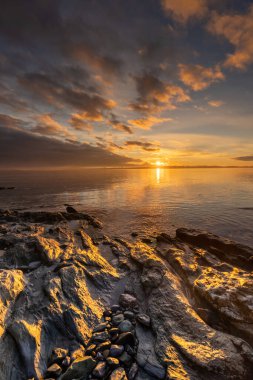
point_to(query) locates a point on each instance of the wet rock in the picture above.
(164, 238)
(116, 350)
(127, 301)
(106, 353)
(100, 370)
(144, 319)
(115, 308)
(118, 374)
(80, 368)
(125, 358)
(90, 349)
(125, 326)
(114, 331)
(71, 210)
(103, 346)
(129, 315)
(66, 362)
(54, 370)
(126, 338)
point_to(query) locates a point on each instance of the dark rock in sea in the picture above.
(126, 338)
(118, 374)
(112, 362)
(125, 326)
(54, 370)
(80, 368)
(127, 301)
(117, 319)
(116, 350)
(70, 209)
(100, 370)
(144, 319)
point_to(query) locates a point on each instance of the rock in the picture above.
(129, 315)
(144, 319)
(103, 346)
(54, 370)
(90, 348)
(107, 313)
(116, 350)
(106, 353)
(117, 319)
(100, 327)
(127, 301)
(164, 238)
(133, 371)
(100, 370)
(114, 331)
(115, 308)
(125, 326)
(80, 368)
(126, 338)
(58, 355)
(134, 234)
(78, 353)
(100, 337)
(66, 362)
(112, 362)
(71, 210)
(158, 372)
(118, 374)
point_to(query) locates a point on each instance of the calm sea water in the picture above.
(149, 200)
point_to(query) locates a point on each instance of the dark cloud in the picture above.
(149, 147)
(19, 148)
(119, 126)
(244, 158)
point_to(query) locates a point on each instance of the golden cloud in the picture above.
(183, 10)
(198, 77)
(238, 30)
(48, 126)
(148, 122)
(215, 103)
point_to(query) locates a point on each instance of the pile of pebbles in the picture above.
(112, 349)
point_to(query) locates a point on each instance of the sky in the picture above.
(118, 83)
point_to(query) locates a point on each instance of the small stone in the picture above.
(112, 362)
(114, 337)
(114, 331)
(133, 371)
(100, 337)
(127, 301)
(78, 353)
(80, 368)
(90, 348)
(103, 346)
(116, 350)
(117, 319)
(129, 315)
(130, 350)
(66, 362)
(58, 355)
(125, 358)
(126, 338)
(144, 319)
(125, 326)
(71, 210)
(99, 356)
(134, 234)
(100, 327)
(115, 308)
(108, 319)
(54, 370)
(106, 353)
(100, 370)
(118, 374)
(107, 313)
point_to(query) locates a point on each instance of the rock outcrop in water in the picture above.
(77, 304)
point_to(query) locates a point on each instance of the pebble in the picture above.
(90, 348)
(107, 313)
(115, 308)
(106, 353)
(125, 326)
(54, 370)
(144, 319)
(125, 358)
(129, 315)
(100, 327)
(58, 355)
(66, 362)
(100, 336)
(126, 338)
(117, 319)
(114, 331)
(103, 346)
(116, 350)
(112, 362)
(100, 370)
(127, 301)
(118, 374)
(133, 371)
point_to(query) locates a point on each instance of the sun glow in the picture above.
(159, 163)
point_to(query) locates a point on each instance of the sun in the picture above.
(159, 163)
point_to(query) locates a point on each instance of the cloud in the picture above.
(148, 122)
(22, 149)
(57, 93)
(183, 10)
(198, 77)
(155, 95)
(147, 146)
(244, 158)
(238, 30)
(48, 126)
(122, 127)
(215, 103)
(79, 122)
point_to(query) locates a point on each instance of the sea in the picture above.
(145, 201)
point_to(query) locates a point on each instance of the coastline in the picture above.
(191, 299)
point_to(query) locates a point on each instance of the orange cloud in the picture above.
(79, 122)
(48, 126)
(238, 30)
(215, 103)
(148, 122)
(199, 77)
(183, 10)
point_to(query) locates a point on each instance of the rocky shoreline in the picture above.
(78, 304)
